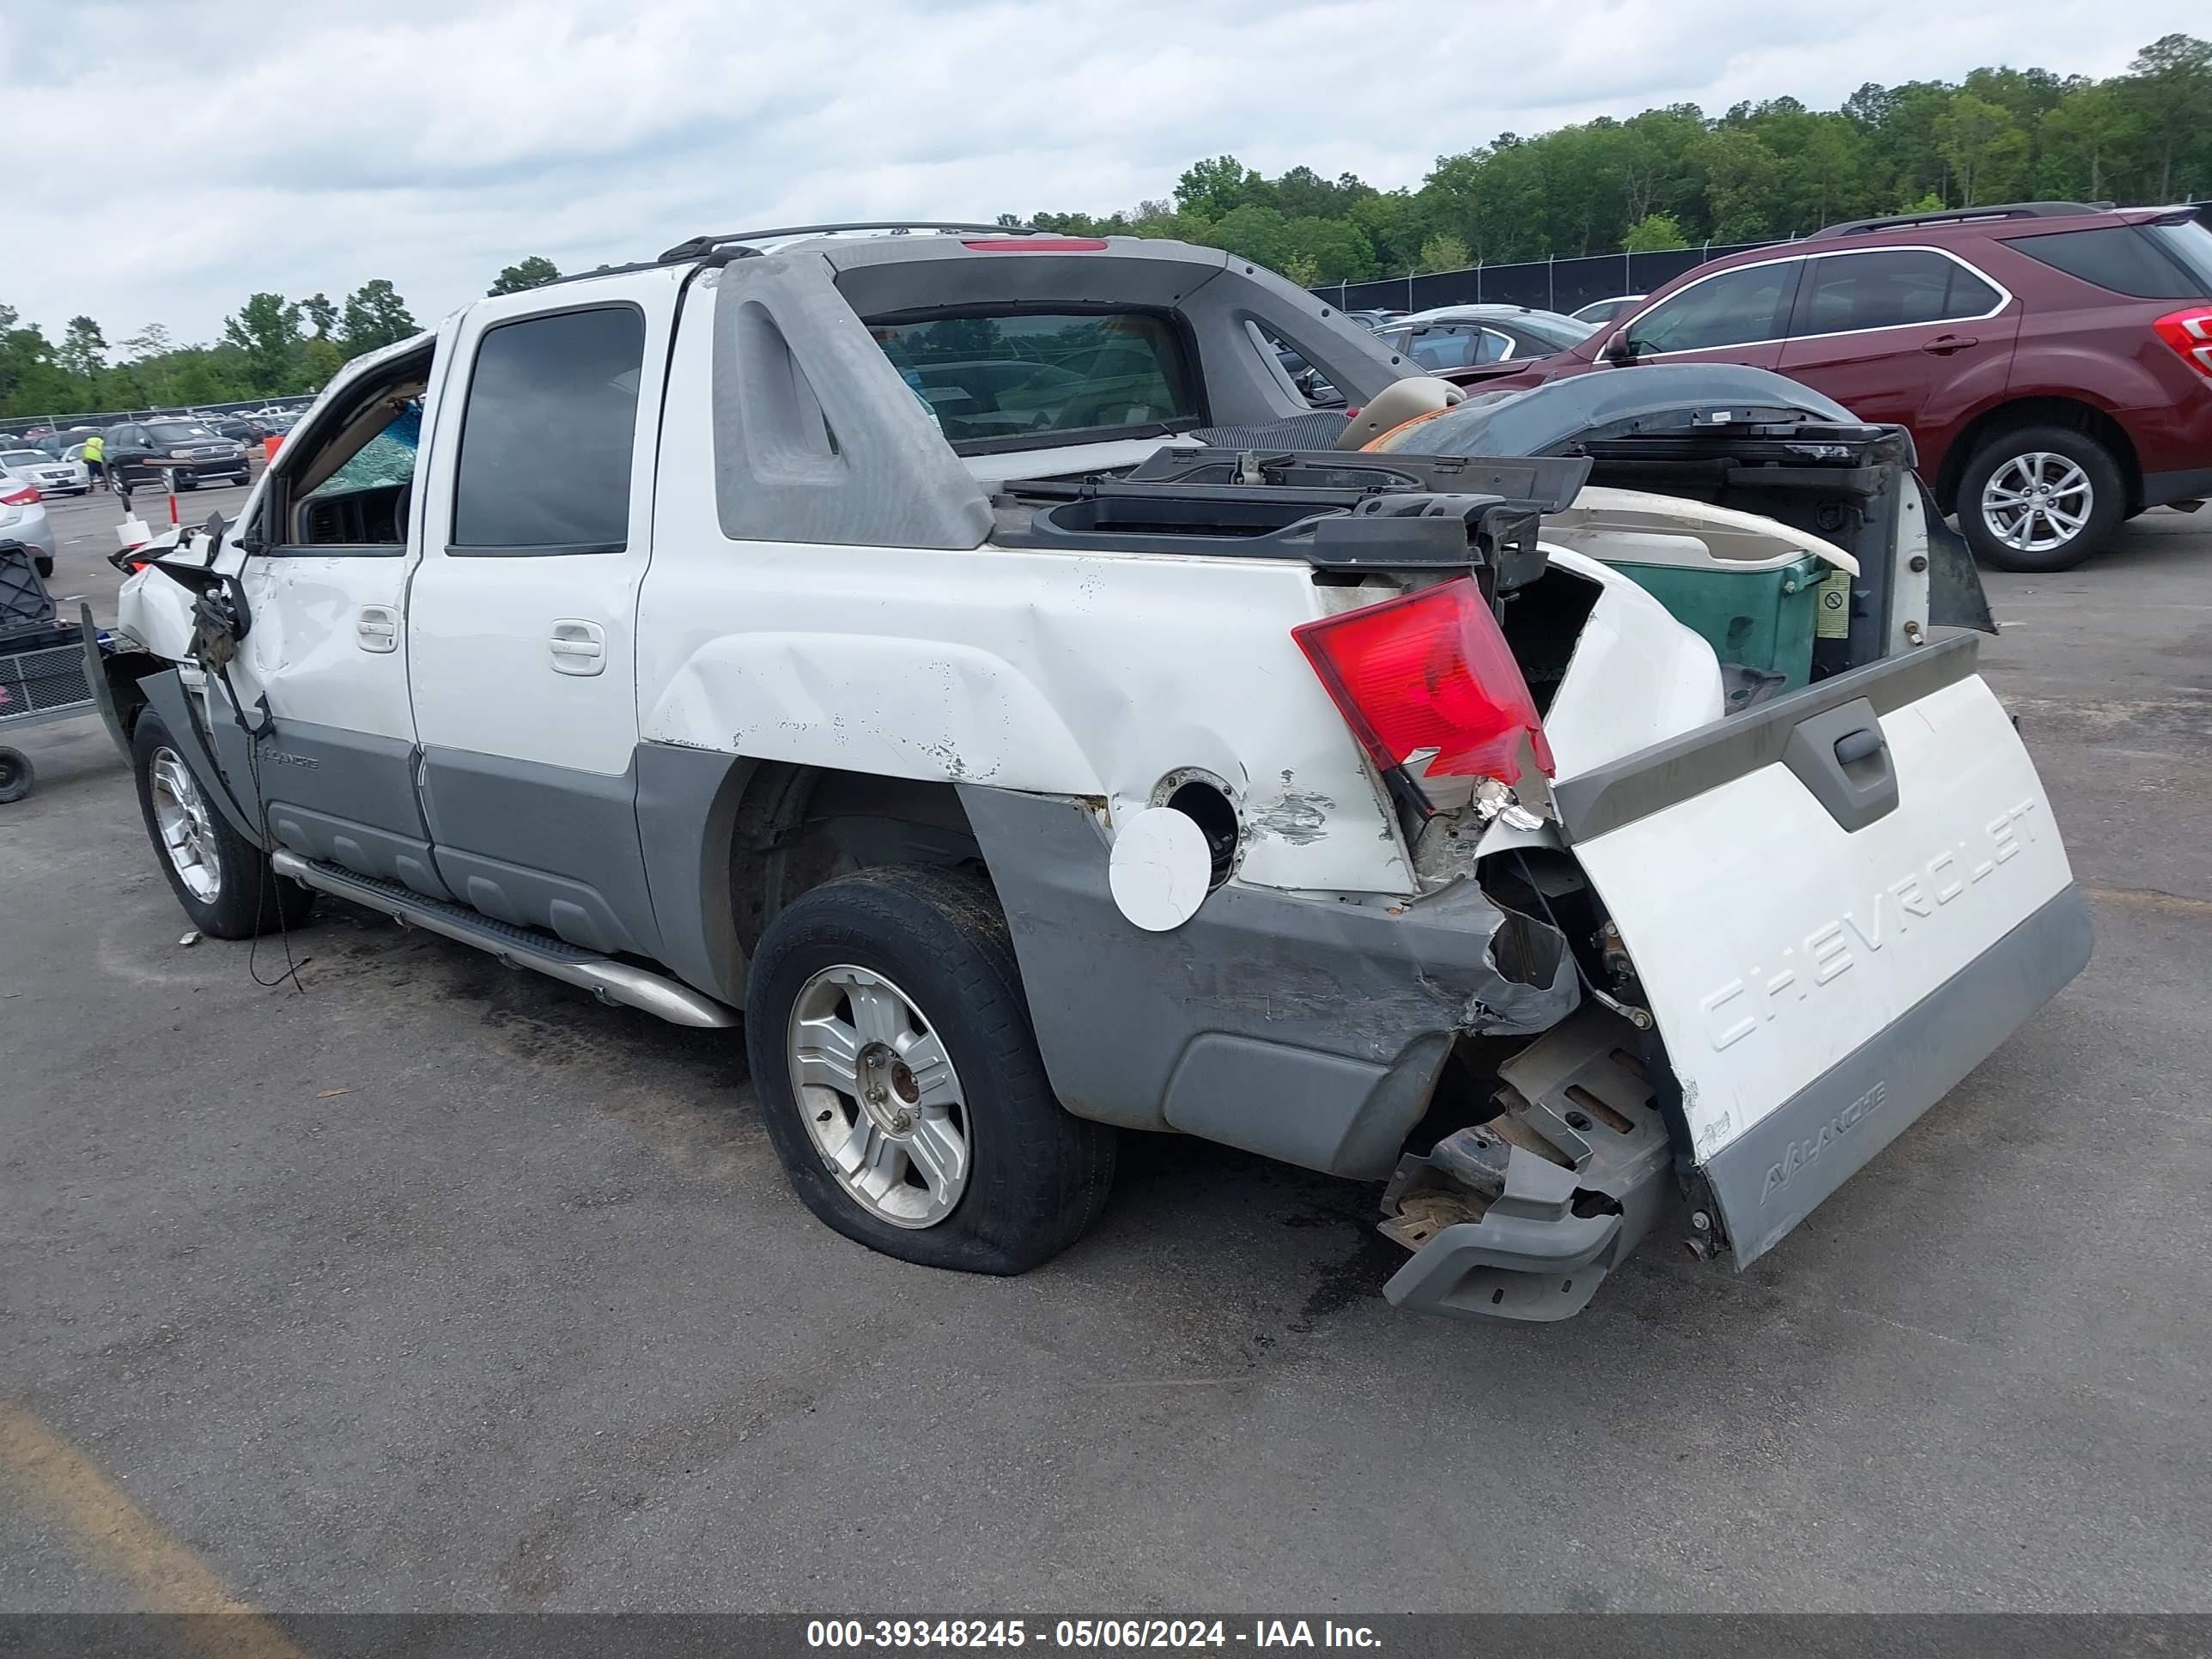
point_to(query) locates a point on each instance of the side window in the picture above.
(364, 501)
(1444, 347)
(1737, 307)
(547, 433)
(2131, 260)
(1888, 288)
(1495, 347)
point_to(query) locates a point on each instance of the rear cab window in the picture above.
(2169, 259)
(547, 435)
(1006, 380)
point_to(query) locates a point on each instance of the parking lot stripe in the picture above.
(118, 1534)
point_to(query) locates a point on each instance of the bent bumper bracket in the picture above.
(1523, 1216)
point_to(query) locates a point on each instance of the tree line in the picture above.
(1677, 178)
(270, 347)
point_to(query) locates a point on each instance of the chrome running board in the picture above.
(518, 947)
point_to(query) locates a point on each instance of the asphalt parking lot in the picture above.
(437, 1286)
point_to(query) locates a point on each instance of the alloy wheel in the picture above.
(2037, 501)
(188, 839)
(879, 1095)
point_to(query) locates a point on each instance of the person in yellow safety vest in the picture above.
(96, 459)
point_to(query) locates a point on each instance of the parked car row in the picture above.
(243, 426)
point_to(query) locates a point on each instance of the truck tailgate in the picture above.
(1838, 905)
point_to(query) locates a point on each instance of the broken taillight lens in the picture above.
(2189, 333)
(1430, 670)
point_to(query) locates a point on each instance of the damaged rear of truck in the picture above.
(1570, 808)
(1710, 911)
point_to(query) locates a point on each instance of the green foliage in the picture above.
(531, 273)
(1655, 233)
(263, 351)
(266, 329)
(1444, 253)
(83, 348)
(375, 316)
(1678, 178)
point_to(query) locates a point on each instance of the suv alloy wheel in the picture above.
(2040, 498)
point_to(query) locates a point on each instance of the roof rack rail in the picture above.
(698, 246)
(1960, 215)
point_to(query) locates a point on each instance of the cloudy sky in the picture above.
(188, 152)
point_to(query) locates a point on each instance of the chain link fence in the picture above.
(1543, 284)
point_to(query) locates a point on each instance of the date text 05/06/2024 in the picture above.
(1112, 1634)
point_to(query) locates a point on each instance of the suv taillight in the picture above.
(1430, 670)
(2189, 333)
(27, 496)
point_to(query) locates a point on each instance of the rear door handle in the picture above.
(578, 646)
(1944, 344)
(377, 629)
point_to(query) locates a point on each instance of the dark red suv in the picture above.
(2052, 362)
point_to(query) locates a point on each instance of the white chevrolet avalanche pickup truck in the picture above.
(963, 653)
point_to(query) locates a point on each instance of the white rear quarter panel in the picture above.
(1023, 669)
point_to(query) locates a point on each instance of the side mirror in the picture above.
(1619, 349)
(215, 528)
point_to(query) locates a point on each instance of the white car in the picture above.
(53, 477)
(1137, 751)
(23, 519)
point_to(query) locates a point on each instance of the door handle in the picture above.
(1843, 759)
(377, 629)
(578, 646)
(1944, 344)
(1862, 745)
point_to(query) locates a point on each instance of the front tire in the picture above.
(226, 887)
(900, 1081)
(16, 775)
(2040, 499)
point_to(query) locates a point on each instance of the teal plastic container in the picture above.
(1762, 616)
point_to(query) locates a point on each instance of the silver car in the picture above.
(52, 475)
(23, 520)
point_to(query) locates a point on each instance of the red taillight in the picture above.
(1430, 670)
(27, 496)
(1039, 245)
(2189, 333)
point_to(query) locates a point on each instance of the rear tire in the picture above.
(862, 973)
(43, 564)
(2012, 526)
(226, 887)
